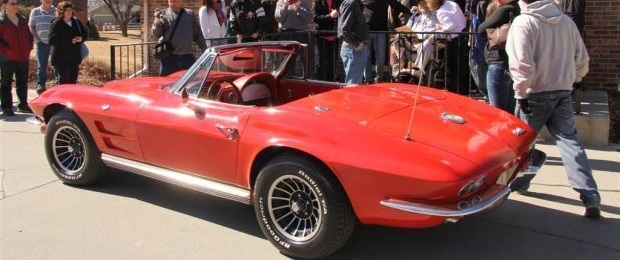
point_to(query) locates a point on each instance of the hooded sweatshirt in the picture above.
(545, 50)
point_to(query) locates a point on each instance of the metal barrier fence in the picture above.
(133, 60)
(448, 68)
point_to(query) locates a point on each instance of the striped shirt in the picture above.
(39, 23)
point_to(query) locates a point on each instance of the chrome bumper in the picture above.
(490, 199)
(494, 196)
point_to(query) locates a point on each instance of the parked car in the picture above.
(314, 158)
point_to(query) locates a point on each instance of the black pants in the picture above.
(20, 70)
(68, 74)
(325, 59)
(249, 39)
(293, 35)
(457, 66)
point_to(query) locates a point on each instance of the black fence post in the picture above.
(112, 63)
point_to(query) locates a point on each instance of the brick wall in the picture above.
(603, 43)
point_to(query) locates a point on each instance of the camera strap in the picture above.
(176, 22)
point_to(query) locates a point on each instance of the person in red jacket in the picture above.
(15, 45)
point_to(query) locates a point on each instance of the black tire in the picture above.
(71, 151)
(293, 191)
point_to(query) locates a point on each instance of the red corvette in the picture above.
(314, 158)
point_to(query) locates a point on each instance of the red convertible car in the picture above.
(314, 158)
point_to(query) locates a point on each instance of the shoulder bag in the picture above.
(164, 48)
(497, 36)
(83, 48)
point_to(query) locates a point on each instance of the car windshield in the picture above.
(251, 60)
(232, 62)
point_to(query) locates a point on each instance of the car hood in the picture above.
(461, 126)
(140, 86)
(486, 132)
(367, 103)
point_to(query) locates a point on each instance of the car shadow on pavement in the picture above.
(517, 230)
(597, 165)
(223, 212)
(18, 117)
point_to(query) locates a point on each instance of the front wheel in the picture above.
(71, 151)
(301, 208)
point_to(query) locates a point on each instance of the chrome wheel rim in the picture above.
(68, 149)
(294, 208)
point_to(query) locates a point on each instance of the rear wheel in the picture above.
(301, 208)
(71, 151)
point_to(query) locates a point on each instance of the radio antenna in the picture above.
(415, 102)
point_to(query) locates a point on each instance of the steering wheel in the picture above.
(220, 87)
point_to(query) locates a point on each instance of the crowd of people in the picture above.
(368, 22)
(531, 76)
(55, 33)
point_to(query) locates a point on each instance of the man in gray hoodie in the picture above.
(546, 55)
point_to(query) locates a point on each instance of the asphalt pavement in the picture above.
(132, 217)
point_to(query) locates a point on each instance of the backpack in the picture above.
(478, 41)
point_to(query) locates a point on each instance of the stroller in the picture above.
(404, 52)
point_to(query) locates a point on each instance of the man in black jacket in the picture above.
(576, 10)
(326, 18)
(376, 15)
(246, 19)
(353, 31)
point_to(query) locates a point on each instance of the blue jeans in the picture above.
(479, 74)
(354, 63)
(43, 57)
(377, 44)
(554, 109)
(499, 87)
(174, 63)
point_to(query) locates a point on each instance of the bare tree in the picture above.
(121, 9)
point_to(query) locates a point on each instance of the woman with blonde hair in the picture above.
(67, 34)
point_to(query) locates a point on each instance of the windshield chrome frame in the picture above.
(177, 87)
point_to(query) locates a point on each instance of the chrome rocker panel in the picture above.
(178, 178)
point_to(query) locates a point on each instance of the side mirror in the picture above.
(184, 95)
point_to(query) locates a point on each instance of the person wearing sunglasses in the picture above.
(16, 42)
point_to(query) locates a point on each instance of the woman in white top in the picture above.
(453, 21)
(423, 21)
(212, 20)
(415, 51)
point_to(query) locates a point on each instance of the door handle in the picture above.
(231, 133)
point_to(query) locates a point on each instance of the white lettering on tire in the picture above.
(268, 227)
